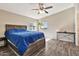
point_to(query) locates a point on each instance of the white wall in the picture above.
(77, 30)
(11, 18)
(58, 21)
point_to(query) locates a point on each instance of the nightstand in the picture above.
(3, 41)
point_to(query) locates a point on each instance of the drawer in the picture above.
(66, 37)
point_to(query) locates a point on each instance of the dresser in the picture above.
(66, 36)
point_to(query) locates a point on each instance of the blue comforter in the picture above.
(22, 38)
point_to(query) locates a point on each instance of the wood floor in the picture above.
(6, 51)
(53, 48)
(59, 48)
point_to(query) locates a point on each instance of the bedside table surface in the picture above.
(2, 38)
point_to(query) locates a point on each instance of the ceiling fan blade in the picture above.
(46, 11)
(48, 7)
(35, 9)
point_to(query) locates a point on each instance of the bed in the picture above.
(22, 41)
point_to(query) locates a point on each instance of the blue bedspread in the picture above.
(22, 38)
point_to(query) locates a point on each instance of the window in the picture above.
(44, 25)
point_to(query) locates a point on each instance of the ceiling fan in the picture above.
(42, 8)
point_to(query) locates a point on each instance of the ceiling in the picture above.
(25, 9)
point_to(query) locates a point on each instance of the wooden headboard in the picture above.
(11, 26)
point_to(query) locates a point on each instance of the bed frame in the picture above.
(33, 47)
